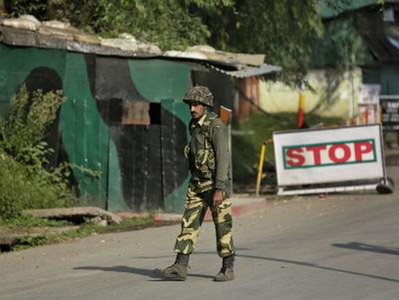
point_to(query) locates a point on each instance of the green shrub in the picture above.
(29, 221)
(24, 182)
(26, 124)
(10, 198)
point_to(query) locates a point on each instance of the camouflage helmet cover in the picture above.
(199, 94)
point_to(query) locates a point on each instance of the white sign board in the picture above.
(328, 155)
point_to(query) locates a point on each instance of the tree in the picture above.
(284, 30)
(170, 24)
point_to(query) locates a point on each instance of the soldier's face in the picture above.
(197, 110)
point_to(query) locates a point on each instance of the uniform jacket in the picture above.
(208, 153)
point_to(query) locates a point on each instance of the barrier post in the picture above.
(260, 165)
(301, 107)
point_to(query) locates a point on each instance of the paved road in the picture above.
(340, 247)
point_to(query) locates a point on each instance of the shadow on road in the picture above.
(352, 245)
(369, 248)
(312, 265)
(139, 271)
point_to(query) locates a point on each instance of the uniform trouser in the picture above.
(195, 209)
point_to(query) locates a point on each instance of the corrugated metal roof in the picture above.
(211, 54)
(238, 65)
(249, 71)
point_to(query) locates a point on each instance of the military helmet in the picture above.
(199, 94)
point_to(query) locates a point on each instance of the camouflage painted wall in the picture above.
(123, 118)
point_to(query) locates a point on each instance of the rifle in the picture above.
(225, 114)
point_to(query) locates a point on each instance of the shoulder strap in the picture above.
(206, 127)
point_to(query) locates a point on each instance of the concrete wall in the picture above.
(332, 94)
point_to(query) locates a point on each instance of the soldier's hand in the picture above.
(217, 198)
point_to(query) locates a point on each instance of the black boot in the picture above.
(182, 259)
(177, 271)
(226, 273)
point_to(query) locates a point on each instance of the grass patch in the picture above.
(86, 229)
(32, 221)
(248, 137)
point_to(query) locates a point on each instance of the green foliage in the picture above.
(21, 187)
(282, 29)
(342, 46)
(11, 176)
(23, 131)
(29, 241)
(28, 221)
(24, 180)
(170, 24)
(22, 7)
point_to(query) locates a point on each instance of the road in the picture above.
(338, 247)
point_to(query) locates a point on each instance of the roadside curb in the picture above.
(240, 206)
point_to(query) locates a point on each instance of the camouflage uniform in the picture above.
(208, 158)
(209, 163)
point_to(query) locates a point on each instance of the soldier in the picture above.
(209, 164)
